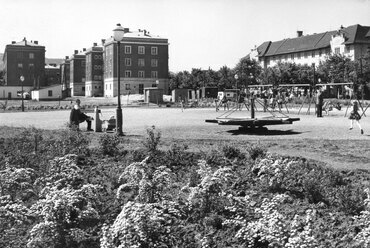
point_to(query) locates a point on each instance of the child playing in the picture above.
(355, 116)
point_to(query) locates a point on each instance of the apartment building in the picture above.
(77, 73)
(65, 76)
(144, 63)
(27, 59)
(94, 71)
(352, 41)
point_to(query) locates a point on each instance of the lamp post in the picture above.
(236, 79)
(22, 79)
(118, 33)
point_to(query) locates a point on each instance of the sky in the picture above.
(201, 33)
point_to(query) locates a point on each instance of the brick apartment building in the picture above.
(144, 63)
(94, 71)
(352, 41)
(77, 73)
(27, 59)
(52, 74)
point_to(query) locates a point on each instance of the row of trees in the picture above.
(335, 69)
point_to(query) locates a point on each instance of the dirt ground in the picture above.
(326, 139)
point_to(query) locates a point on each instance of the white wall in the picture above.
(5, 90)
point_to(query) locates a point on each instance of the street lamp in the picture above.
(118, 33)
(236, 79)
(22, 80)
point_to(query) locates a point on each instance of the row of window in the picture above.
(141, 74)
(21, 54)
(300, 55)
(141, 62)
(141, 50)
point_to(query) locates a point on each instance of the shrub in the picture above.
(256, 151)
(231, 152)
(152, 140)
(109, 144)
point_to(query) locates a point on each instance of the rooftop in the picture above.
(352, 34)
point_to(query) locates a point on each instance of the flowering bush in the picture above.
(144, 225)
(144, 182)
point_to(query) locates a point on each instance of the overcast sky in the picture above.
(202, 33)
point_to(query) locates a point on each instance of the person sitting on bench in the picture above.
(77, 117)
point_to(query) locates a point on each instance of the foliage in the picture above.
(152, 140)
(228, 197)
(109, 144)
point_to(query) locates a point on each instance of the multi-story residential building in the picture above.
(144, 63)
(27, 59)
(52, 74)
(94, 71)
(65, 77)
(77, 73)
(352, 41)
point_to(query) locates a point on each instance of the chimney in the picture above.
(76, 51)
(36, 42)
(84, 49)
(13, 42)
(126, 30)
(299, 33)
(95, 44)
(103, 41)
(67, 57)
(144, 31)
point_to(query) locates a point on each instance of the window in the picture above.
(128, 49)
(306, 54)
(31, 65)
(83, 88)
(320, 53)
(50, 93)
(141, 74)
(127, 62)
(292, 56)
(83, 63)
(337, 50)
(154, 85)
(313, 54)
(20, 65)
(31, 55)
(154, 50)
(141, 62)
(347, 49)
(154, 62)
(127, 86)
(154, 74)
(141, 50)
(298, 55)
(127, 73)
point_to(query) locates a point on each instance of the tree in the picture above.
(247, 70)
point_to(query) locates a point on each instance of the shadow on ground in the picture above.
(262, 131)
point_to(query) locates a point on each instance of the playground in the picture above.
(326, 139)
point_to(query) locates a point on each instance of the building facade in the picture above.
(144, 63)
(94, 71)
(52, 74)
(65, 76)
(77, 73)
(27, 59)
(352, 41)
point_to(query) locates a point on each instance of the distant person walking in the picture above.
(355, 116)
(76, 117)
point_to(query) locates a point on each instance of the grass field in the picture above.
(326, 139)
